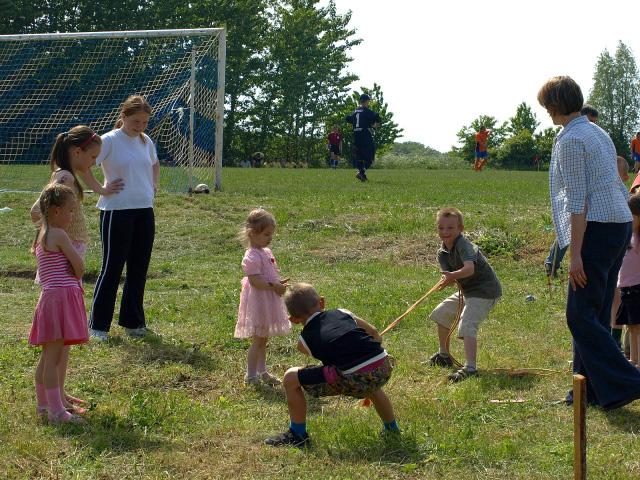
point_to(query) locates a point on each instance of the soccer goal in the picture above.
(52, 82)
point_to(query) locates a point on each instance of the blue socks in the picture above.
(391, 426)
(300, 429)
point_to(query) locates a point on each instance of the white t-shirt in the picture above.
(130, 159)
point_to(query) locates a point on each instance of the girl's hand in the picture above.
(114, 186)
(279, 288)
(577, 277)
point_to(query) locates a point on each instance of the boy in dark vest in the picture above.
(353, 362)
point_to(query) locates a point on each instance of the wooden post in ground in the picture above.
(579, 427)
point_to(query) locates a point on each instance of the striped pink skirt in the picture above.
(60, 314)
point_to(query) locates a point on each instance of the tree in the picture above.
(544, 143)
(524, 119)
(616, 95)
(467, 137)
(517, 151)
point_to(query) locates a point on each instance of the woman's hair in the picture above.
(80, 136)
(448, 212)
(132, 105)
(256, 222)
(53, 195)
(561, 95)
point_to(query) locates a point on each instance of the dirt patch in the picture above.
(402, 251)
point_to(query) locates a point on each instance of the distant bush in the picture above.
(417, 155)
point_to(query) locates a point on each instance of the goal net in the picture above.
(50, 83)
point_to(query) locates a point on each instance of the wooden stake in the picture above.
(579, 427)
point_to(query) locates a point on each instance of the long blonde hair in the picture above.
(132, 105)
(256, 222)
(53, 195)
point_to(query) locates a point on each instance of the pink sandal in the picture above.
(60, 418)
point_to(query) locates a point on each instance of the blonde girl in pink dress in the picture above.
(262, 312)
(60, 318)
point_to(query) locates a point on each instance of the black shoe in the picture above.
(439, 360)
(359, 177)
(364, 177)
(289, 439)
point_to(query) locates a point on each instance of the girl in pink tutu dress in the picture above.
(60, 318)
(262, 313)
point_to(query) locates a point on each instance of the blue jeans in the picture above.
(559, 256)
(611, 379)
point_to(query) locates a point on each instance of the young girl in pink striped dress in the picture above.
(262, 313)
(60, 318)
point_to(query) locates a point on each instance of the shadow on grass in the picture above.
(623, 419)
(89, 277)
(492, 381)
(157, 349)
(110, 433)
(383, 448)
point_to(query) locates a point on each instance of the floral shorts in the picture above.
(358, 385)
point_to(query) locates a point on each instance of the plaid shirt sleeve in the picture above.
(573, 167)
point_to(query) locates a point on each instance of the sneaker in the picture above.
(254, 380)
(364, 177)
(289, 439)
(136, 332)
(269, 379)
(98, 335)
(439, 360)
(359, 177)
(462, 374)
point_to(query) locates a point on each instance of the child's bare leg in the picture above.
(41, 397)
(296, 401)
(257, 351)
(383, 406)
(470, 351)
(443, 333)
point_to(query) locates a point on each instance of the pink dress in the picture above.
(60, 313)
(262, 312)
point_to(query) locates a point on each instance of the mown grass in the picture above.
(174, 406)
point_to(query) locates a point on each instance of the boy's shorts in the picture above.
(358, 385)
(636, 157)
(474, 311)
(481, 154)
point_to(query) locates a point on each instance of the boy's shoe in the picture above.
(439, 360)
(254, 380)
(267, 378)
(289, 439)
(98, 335)
(462, 374)
(359, 177)
(136, 332)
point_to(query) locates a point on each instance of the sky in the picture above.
(441, 64)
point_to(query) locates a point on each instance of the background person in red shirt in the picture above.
(482, 155)
(335, 146)
(635, 152)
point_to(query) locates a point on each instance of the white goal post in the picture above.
(51, 82)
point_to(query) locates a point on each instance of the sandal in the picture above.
(65, 417)
(41, 413)
(439, 360)
(462, 374)
(266, 377)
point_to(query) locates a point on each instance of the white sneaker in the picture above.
(136, 332)
(98, 335)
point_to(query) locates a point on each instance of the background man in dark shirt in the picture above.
(363, 120)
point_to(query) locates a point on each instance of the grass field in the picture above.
(174, 406)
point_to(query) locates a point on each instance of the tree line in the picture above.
(518, 144)
(287, 73)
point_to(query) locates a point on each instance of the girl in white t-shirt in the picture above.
(127, 224)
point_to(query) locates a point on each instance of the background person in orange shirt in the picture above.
(482, 155)
(635, 152)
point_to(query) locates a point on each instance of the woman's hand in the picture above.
(114, 186)
(577, 277)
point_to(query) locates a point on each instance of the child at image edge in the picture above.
(353, 363)
(461, 261)
(261, 313)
